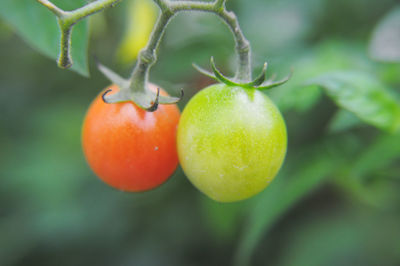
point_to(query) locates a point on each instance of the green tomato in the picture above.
(231, 142)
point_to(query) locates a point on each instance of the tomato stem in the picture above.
(53, 8)
(66, 21)
(64, 58)
(243, 49)
(137, 90)
(148, 55)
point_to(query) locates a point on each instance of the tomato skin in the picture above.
(231, 142)
(128, 148)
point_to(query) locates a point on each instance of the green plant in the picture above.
(267, 126)
(341, 107)
(136, 88)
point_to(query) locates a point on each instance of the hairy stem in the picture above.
(242, 44)
(53, 8)
(90, 9)
(65, 59)
(66, 21)
(148, 55)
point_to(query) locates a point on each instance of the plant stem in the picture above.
(242, 47)
(66, 21)
(148, 55)
(243, 73)
(53, 8)
(90, 9)
(64, 58)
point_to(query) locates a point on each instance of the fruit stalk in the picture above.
(66, 21)
(148, 55)
(243, 72)
(137, 90)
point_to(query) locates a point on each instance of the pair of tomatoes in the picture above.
(230, 141)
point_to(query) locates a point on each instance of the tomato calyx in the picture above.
(259, 83)
(135, 91)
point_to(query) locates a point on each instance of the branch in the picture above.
(243, 49)
(66, 21)
(53, 8)
(137, 90)
(219, 4)
(90, 9)
(163, 4)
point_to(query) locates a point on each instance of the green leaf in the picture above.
(349, 237)
(389, 74)
(385, 42)
(223, 219)
(369, 177)
(327, 56)
(340, 236)
(386, 146)
(374, 190)
(343, 120)
(312, 168)
(39, 28)
(363, 95)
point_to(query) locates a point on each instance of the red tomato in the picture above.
(129, 148)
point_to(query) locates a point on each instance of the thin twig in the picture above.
(66, 21)
(148, 55)
(53, 8)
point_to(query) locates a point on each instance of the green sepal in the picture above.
(260, 79)
(204, 72)
(139, 94)
(258, 83)
(269, 84)
(220, 76)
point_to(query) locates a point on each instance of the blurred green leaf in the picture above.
(296, 20)
(55, 132)
(390, 73)
(39, 28)
(363, 95)
(378, 191)
(387, 146)
(329, 55)
(13, 247)
(338, 234)
(312, 168)
(223, 218)
(385, 42)
(342, 238)
(367, 177)
(343, 120)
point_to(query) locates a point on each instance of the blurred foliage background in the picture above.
(336, 200)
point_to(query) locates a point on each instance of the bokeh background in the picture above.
(336, 200)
